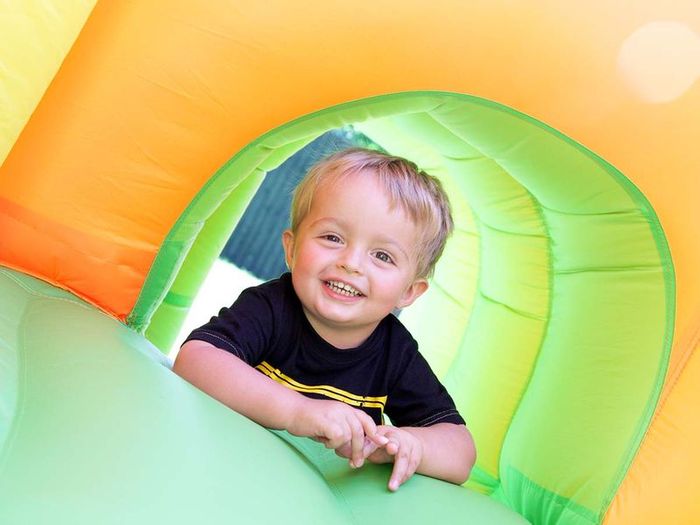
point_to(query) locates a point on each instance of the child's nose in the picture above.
(349, 268)
(350, 261)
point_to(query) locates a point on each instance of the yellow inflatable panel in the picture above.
(36, 37)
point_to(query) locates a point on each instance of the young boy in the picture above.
(367, 229)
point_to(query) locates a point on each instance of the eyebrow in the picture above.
(328, 219)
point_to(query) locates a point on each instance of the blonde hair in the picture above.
(419, 195)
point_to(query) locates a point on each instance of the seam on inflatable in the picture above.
(83, 301)
(31, 291)
(516, 311)
(519, 234)
(452, 298)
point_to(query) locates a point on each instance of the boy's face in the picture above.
(353, 260)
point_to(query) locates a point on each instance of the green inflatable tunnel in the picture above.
(549, 319)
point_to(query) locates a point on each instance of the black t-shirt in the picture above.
(266, 327)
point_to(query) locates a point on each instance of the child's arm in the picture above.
(239, 386)
(444, 451)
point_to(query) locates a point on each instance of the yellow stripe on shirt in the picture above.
(324, 390)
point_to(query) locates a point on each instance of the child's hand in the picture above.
(336, 424)
(402, 447)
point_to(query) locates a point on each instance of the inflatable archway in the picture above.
(563, 317)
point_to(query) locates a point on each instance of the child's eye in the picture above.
(331, 237)
(384, 257)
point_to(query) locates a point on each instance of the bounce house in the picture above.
(564, 317)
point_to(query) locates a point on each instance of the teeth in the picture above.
(343, 288)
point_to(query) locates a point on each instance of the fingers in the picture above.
(400, 447)
(371, 430)
(405, 465)
(360, 427)
(337, 434)
(352, 434)
(378, 439)
(407, 454)
(358, 444)
(370, 448)
(372, 438)
(392, 447)
(345, 450)
(345, 430)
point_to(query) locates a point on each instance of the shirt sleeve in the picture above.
(244, 329)
(418, 399)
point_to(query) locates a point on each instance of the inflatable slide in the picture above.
(564, 317)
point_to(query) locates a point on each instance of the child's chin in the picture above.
(338, 319)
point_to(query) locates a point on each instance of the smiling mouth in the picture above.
(343, 289)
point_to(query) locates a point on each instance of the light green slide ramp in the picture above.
(96, 429)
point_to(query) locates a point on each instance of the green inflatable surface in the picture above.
(95, 428)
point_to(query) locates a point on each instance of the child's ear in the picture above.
(288, 246)
(412, 293)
